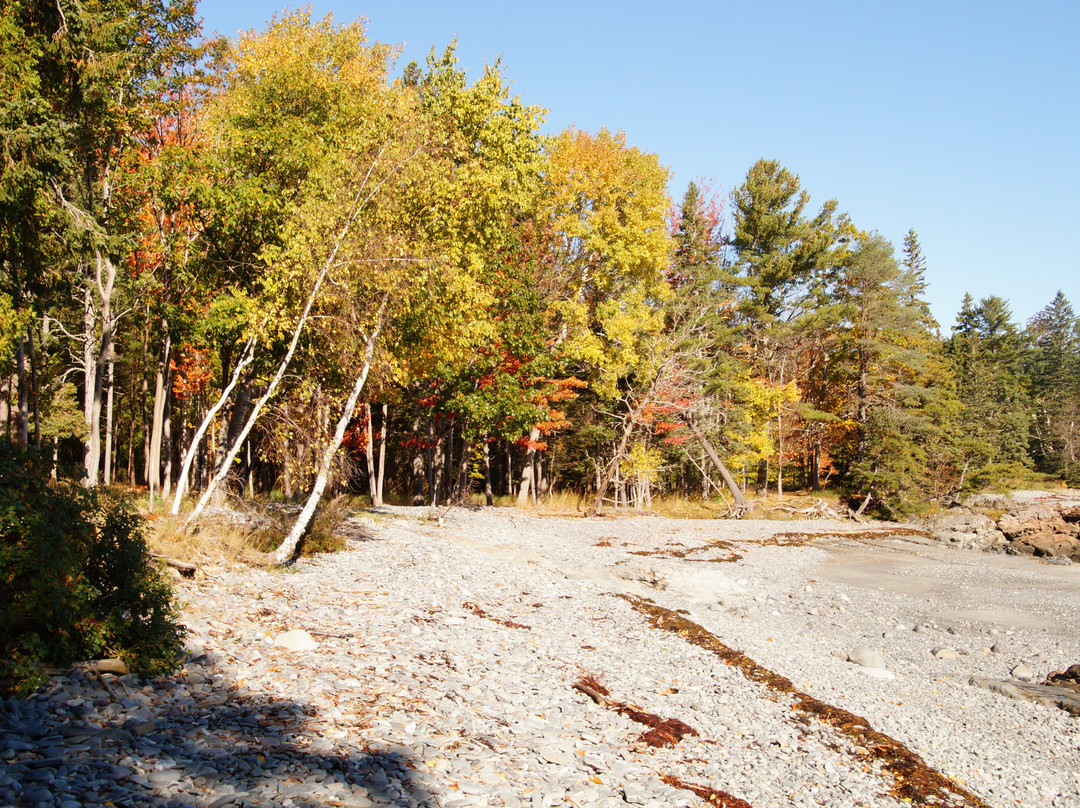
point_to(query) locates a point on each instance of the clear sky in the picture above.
(959, 118)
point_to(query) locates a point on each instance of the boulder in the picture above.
(1050, 544)
(974, 531)
(1047, 695)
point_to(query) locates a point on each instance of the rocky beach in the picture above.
(497, 658)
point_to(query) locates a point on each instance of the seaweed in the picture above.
(475, 609)
(663, 732)
(713, 796)
(914, 780)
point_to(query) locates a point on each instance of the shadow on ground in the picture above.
(248, 749)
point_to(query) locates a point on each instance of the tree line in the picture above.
(271, 265)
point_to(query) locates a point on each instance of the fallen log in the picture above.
(185, 569)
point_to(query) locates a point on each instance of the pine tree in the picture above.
(899, 389)
(1053, 373)
(985, 350)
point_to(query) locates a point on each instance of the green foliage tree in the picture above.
(899, 390)
(986, 352)
(1053, 370)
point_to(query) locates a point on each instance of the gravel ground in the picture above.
(446, 652)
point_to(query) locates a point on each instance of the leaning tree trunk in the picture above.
(358, 203)
(162, 383)
(729, 481)
(287, 550)
(189, 456)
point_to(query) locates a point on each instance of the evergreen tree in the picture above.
(1053, 372)
(914, 284)
(986, 350)
(899, 389)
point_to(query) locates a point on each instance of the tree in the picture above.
(783, 259)
(1052, 367)
(985, 350)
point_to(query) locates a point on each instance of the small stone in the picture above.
(163, 777)
(555, 756)
(944, 653)
(1023, 671)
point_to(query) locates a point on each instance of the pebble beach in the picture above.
(489, 657)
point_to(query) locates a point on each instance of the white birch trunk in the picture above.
(527, 469)
(161, 385)
(287, 550)
(358, 202)
(369, 456)
(181, 485)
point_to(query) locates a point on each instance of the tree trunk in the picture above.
(488, 498)
(438, 467)
(109, 398)
(34, 404)
(382, 450)
(613, 466)
(95, 357)
(167, 443)
(417, 465)
(369, 456)
(22, 422)
(762, 477)
(358, 202)
(5, 406)
(779, 454)
(509, 469)
(287, 550)
(729, 481)
(246, 358)
(528, 468)
(162, 384)
(462, 492)
(815, 465)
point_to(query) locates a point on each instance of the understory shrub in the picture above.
(76, 578)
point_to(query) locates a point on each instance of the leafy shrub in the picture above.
(76, 578)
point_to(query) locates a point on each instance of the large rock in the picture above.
(1050, 544)
(973, 531)
(1047, 695)
(295, 640)
(701, 582)
(866, 657)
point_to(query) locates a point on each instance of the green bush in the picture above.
(76, 578)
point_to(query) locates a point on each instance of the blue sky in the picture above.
(960, 119)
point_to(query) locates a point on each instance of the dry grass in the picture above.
(214, 544)
(219, 542)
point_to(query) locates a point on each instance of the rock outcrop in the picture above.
(1044, 526)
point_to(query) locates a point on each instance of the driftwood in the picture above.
(185, 569)
(98, 666)
(820, 509)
